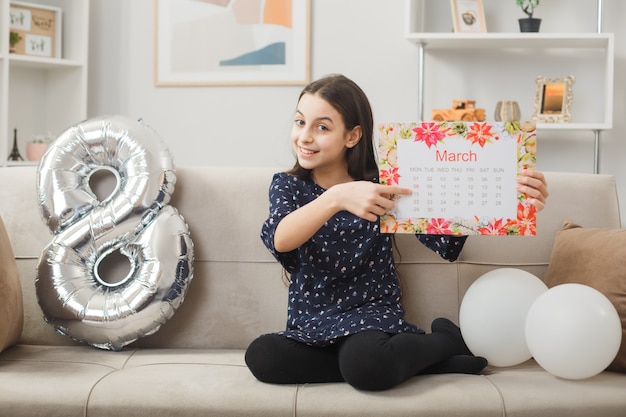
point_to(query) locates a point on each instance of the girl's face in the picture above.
(319, 136)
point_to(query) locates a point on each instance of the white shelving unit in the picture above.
(601, 44)
(40, 95)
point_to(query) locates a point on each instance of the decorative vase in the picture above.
(34, 151)
(529, 24)
(507, 111)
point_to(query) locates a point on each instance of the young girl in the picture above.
(345, 321)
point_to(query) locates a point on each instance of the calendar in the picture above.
(462, 176)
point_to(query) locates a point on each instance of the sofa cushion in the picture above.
(11, 305)
(39, 380)
(593, 257)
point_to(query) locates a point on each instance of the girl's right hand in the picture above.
(366, 199)
(361, 198)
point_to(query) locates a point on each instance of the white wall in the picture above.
(363, 39)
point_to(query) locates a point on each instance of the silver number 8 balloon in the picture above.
(134, 221)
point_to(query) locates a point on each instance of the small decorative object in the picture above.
(468, 16)
(14, 38)
(507, 111)
(553, 99)
(36, 148)
(15, 152)
(554, 336)
(493, 315)
(40, 28)
(528, 24)
(461, 110)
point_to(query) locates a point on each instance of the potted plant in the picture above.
(528, 24)
(14, 38)
(36, 148)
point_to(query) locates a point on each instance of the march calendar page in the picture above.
(462, 175)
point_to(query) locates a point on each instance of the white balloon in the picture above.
(493, 315)
(573, 331)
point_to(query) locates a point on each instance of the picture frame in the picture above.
(553, 99)
(35, 30)
(468, 16)
(206, 43)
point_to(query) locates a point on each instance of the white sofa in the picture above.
(194, 365)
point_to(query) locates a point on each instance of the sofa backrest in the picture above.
(238, 291)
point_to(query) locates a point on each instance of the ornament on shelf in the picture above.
(507, 111)
(36, 148)
(15, 152)
(461, 110)
(529, 23)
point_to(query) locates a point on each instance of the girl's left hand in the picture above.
(534, 185)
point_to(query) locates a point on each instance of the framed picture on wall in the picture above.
(35, 30)
(222, 42)
(468, 16)
(553, 99)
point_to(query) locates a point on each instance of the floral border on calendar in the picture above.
(479, 133)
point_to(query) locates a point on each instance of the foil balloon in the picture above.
(133, 224)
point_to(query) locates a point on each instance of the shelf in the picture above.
(573, 126)
(590, 56)
(512, 40)
(43, 95)
(21, 163)
(45, 63)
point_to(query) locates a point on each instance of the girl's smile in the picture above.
(306, 152)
